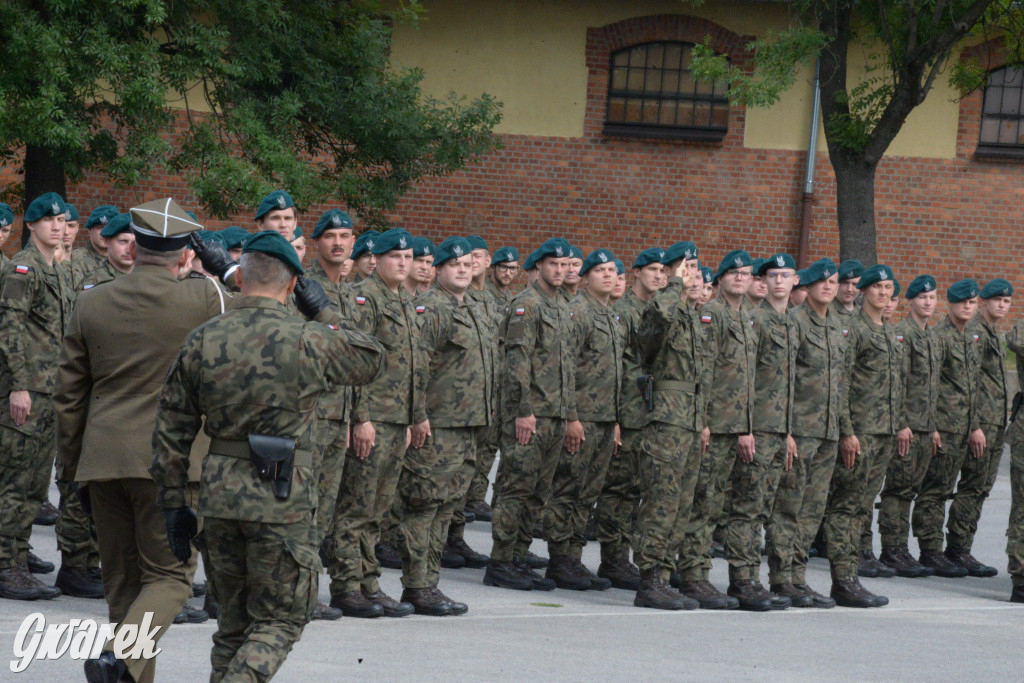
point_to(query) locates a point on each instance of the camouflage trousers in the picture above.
(432, 485)
(484, 462)
(575, 487)
(880, 458)
(977, 477)
(527, 472)
(333, 437)
(76, 533)
(1015, 528)
(903, 481)
(753, 484)
(266, 578)
(669, 462)
(708, 500)
(798, 510)
(619, 498)
(936, 489)
(26, 461)
(364, 500)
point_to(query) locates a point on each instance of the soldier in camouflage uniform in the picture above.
(845, 303)
(382, 415)
(958, 423)
(261, 542)
(363, 259)
(571, 286)
(803, 489)
(914, 450)
(1015, 527)
(35, 305)
(537, 405)
(118, 238)
(580, 473)
(455, 332)
(93, 255)
(6, 227)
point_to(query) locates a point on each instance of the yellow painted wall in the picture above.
(530, 54)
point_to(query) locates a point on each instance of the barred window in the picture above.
(1002, 117)
(652, 93)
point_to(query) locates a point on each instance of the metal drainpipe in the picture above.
(812, 157)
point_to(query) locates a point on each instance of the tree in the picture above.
(913, 41)
(273, 93)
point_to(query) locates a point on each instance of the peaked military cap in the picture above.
(391, 240)
(476, 241)
(100, 216)
(71, 212)
(505, 255)
(276, 200)
(850, 269)
(334, 219)
(421, 246)
(707, 275)
(776, 262)
(122, 222)
(876, 273)
(233, 237)
(920, 285)
(596, 258)
(6, 215)
(822, 269)
(453, 247)
(961, 291)
(997, 287)
(271, 243)
(648, 256)
(48, 204)
(737, 258)
(364, 243)
(162, 225)
(686, 251)
(620, 267)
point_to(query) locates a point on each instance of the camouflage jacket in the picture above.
(497, 298)
(491, 329)
(728, 368)
(254, 370)
(105, 273)
(818, 382)
(598, 344)
(873, 396)
(956, 410)
(669, 347)
(842, 312)
(539, 373)
(84, 261)
(1015, 342)
(632, 411)
(921, 360)
(35, 306)
(334, 403)
(396, 396)
(775, 369)
(455, 336)
(993, 407)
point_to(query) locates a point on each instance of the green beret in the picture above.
(233, 237)
(391, 240)
(755, 265)
(799, 279)
(778, 261)
(49, 204)
(100, 216)
(919, 285)
(421, 246)
(821, 269)
(271, 243)
(531, 261)
(848, 270)
(575, 252)
(205, 235)
(648, 256)
(707, 275)
(278, 199)
(685, 251)
(192, 215)
(476, 242)
(335, 219)
(6, 215)
(737, 258)
(122, 222)
(997, 287)
(453, 247)
(895, 287)
(620, 267)
(505, 255)
(364, 243)
(71, 213)
(556, 247)
(596, 258)
(961, 291)
(876, 273)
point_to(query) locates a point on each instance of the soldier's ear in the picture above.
(131, 250)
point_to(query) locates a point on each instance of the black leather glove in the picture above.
(310, 297)
(82, 491)
(213, 256)
(182, 526)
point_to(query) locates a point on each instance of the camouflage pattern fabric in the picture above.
(716, 464)
(1015, 527)
(937, 488)
(818, 381)
(873, 399)
(879, 464)
(26, 461)
(76, 532)
(619, 497)
(903, 481)
(774, 370)
(728, 370)
(84, 261)
(753, 484)
(104, 273)
(632, 412)
(977, 477)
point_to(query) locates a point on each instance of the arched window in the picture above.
(1002, 115)
(652, 93)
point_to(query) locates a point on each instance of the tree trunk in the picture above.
(44, 173)
(855, 207)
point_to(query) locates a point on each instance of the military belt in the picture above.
(236, 448)
(675, 385)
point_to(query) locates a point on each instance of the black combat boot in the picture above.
(45, 592)
(621, 572)
(355, 604)
(470, 557)
(696, 590)
(540, 583)
(105, 669)
(78, 583)
(968, 562)
(47, 515)
(653, 592)
(564, 572)
(849, 593)
(198, 590)
(387, 555)
(536, 561)
(322, 612)
(392, 607)
(425, 601)
(210, 606)
(37, 565)
(480, 509)
(451, 559)
(869, 566)
(14, 586)
(506, 575)
(904, 564)
(458, 608)
(187, 615)
(752, 596)
(820, 601)
(942, 565)
(797, 598)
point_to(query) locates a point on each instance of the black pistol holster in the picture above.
(273, 457)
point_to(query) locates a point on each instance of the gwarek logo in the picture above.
(81, 639)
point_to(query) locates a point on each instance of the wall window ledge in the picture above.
(998, 153)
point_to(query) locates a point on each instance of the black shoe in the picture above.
(706, 599)
(536, 561)
(621, 573)
(355, 604)
(105, 669)
(479, 509)
(387, 555)
(470, 557)
(865, 566)
(198, 590)
(970, 563)
(849, 593)
(425, 601)
(458, 608)
(76, 582)
(15, 586)
(597, 583)
(210, 606)
(187, 615)
(654, 593)
(506, 575)
(898, 558)
(468, 517)
(324, 612)
(47, 515)
(884, 571)
(942, 565)
(797, 598)
(820, 601)
(540, 583)
(1017, 594)
(45, 592)
(565, 574)
(392, 607)
(752, 596)
(452, 560)
(37, 565)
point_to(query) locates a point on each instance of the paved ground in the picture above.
(933, 629)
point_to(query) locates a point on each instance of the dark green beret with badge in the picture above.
(648, 256)
(895, 287)
(876, 273)
(421, 246)
(531, 261)
(778, 262)
(100, 216)
(680, 251)
(122, 222)
(596, 258)
(271, 243)
(364, 243)
(822, 269)
(395, 239)
(755, 266)
(477, 242)
(233, 237)
(848, 270)
(6, 215)
(555, 247)
(49, 204)
(962, 291)
(334, 219)
(296, 233)
(707, 275)
(735, 259)
(575, 252)
(275, 201)
(453, 247)
(920, 285)
(997, 287)
(71, 213)
(620, 267)
(505, 255)
(800, 279)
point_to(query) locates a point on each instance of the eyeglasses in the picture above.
(507, 268)
(779, 276)
(739, 274)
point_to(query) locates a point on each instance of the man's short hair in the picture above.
(157, 258)
(264, 270)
